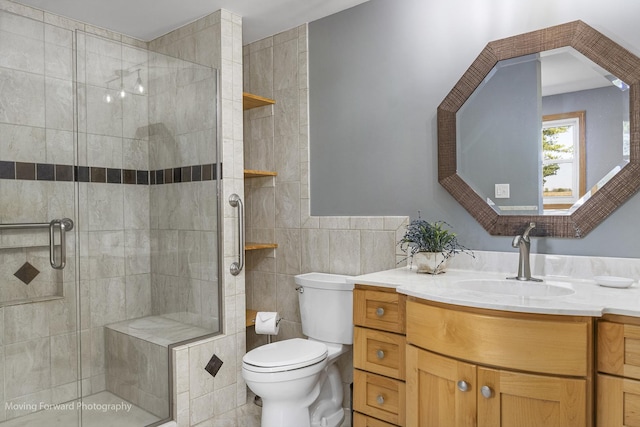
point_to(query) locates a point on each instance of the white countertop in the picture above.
(589, 299)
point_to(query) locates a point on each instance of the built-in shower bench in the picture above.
(137, 359)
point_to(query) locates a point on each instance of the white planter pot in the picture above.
(430, 262)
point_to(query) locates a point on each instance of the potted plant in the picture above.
(430, 245)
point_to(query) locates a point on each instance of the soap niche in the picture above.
(26, 276)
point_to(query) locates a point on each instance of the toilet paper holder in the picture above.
(277, 324)
(277, 320)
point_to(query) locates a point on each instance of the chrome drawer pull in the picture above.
(486, 391)
(380, 312)
(463, 386)
(380, 354)
(380, 399)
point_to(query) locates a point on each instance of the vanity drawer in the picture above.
(360, 420)
(379, 309)
(379, 352)
(526, 342)
(619, 349)
(379, 397)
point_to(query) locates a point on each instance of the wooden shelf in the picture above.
(250, 101)
(251, 317)
(251, 246)
(252, 173)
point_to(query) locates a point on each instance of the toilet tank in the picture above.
(326, 307)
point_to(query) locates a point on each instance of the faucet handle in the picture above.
(516, 241)
(531, 226)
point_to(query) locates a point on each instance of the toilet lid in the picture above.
(289, 354)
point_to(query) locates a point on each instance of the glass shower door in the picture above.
(148, 241)
(39, 379)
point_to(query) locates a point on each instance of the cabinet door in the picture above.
(618, 402)
(514, 399)
(440, 391)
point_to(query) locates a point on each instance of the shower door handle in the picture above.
(236, 202)
(65, 225)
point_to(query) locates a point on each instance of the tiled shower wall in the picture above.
(29, 150)
(277, 139)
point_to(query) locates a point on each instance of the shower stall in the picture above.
(109, 219)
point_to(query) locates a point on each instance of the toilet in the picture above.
(297, 379)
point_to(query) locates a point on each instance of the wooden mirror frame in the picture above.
(599, 49)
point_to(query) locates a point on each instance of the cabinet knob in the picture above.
(380, 399)
(463, 385)
(380, 354)
(486, 391)
(380, 312)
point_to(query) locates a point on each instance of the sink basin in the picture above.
(515, 287)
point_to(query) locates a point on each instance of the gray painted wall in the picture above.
(498, 133)
(377, 74)
(604, 112)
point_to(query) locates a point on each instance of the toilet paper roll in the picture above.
(267, 323)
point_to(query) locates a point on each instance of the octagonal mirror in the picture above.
(543, 127)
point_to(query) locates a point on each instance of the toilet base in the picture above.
(330, 420)
(322, 407)
(327, 410)
(285, 414)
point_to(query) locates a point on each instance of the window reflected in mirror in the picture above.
(563, 160)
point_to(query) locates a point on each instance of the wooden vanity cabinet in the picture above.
(618, 382)
(474, 367)
(379, 357)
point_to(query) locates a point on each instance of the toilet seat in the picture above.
(285, 355)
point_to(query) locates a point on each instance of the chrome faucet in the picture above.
(523, 243)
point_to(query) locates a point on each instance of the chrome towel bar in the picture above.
(64, 225)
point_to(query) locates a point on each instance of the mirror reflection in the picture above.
(542, 133)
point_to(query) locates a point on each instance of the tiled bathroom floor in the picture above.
(93, 416)
(249, 416)
(95, 413)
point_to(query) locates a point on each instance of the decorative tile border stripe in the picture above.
(206, 172)
(52, 172)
